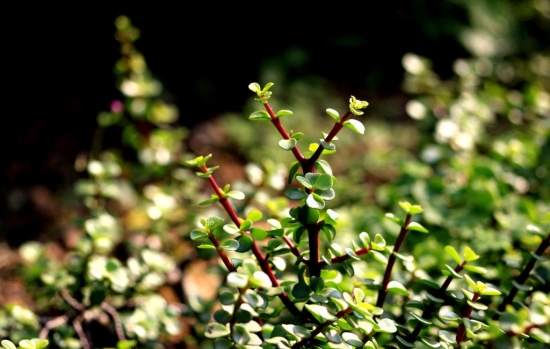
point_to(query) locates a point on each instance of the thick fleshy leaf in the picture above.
(404, 257)
(333, 114)
(235, 194)
(209, 201)
(297, 331)
(229, 245)
(387, 326)
(323, 166)
(245, 243)
(475, 269)
(304, 181)
(352, 339)
(447, 336)
(379, 257)
(320, 312)
(259, 115)
(206, 246)
(417, 227)
(284, 112)
(328, 194)
(431, 343)
(216, 330)
(394, 218)
(332, 336)
(355, 125)
(254, 87)
(450, 271)
(237, 280)
(397, 287)
(287, 144)
(421, 319)
(323, 181)
(231, 229)
(258, 233)
(315, 201)
(327, 145)
(294, 193)
(294, 167)
(379, 243)
(197, 234)
(365, 239)
(470, 255)
(404, 342)
(450, 250)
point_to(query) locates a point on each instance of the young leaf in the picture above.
(216, 330)
(469, 255)
(284, 113)
(294, 193)
(452, 252)
(255, 87)
(333, 114)
(294, 167)
(355, 126)
(417, 227)
(323, 166)
(259, 115)
(237, 280)
(327, 145)
(397, 287)
(379, 257)
(315, 201)
(365, 239)
(394, 218)
(287, 144)
(304, 181)
(475, 269)
(229, 245)
(235, 194)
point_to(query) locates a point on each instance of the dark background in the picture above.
(61, 62)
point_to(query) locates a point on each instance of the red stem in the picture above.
(461, 332)
(275, 121)
(264, 264)
(320, 328)
(345, 257)
(384, 290)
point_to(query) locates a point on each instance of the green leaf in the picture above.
(284, 112)
(434, 298)
(421, 319)
(447, 336)
(475, 269)
(245, 243)
(8, 344)
(489, 291)
(315, 201)
(352, 339)
(127, 344)
(405, 206)
(320, 312)
(255, 87)
(322, 182)
(245, 225)
(307, 215)
(294, 167)
(301, 290)
(254, 215)
(259, 115)
(386, 326)
(394, 218)
(237, 280)
(521, 287)
(450, 250)
(304, 181)
(327, 145)
(294, 193)
(404, 342)
(397, 287)
(323, 166)
(415, 304)
(539, 335)
(240, 335)
(206, 246)
(365, 239)
(471, 282)
(404, 257)
(287, 144)
(352, 254)
(258, 233)
(228, 298)
(235, 194)
(197, 234)
(430, 342)
(328, 194)
(27, 344)
(379, 257)
(297, 331)
(260, 279)
(216, 330)
(415, 209)
(417, 227)
(223, 343)
(355, 126)
(333, 114)
(379, 243)
(229, 245)
(209, 201)
(469, 255)
(450, 271)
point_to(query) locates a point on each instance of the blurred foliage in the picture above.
(475, 155)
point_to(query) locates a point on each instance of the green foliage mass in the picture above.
(431, 234)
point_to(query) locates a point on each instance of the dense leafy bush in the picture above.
(315, 254)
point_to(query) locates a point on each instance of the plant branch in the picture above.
(427, 313)
(335, 129)
(391, 261)
(116, 318)
(461, 332)
(345, 257)
(304, 342)
(522, 277)
(264, 264)
(279, 126)
(313, 263)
